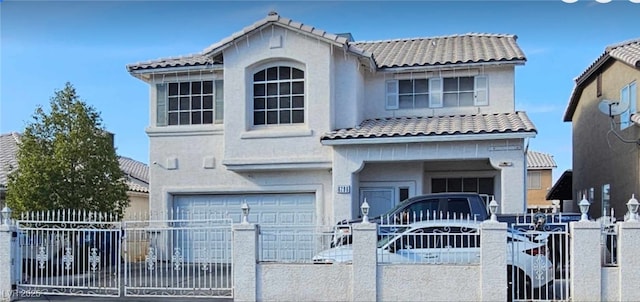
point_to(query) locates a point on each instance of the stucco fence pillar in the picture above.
(245, 259)
(493, 261)
(7, 273)
(629, 260)
(365, 263)
(585, 267)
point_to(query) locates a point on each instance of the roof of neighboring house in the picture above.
(137, 172)
(432, 51)
(538, 161)
(563, 188)
(627, 52)
(436, 125)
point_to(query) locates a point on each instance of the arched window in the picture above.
(278, 96)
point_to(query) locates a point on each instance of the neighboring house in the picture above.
(137, 174)
(539, 179)
(304, 124)
(562, 191)
(606, 154)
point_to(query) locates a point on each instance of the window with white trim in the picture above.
(628, 94)
(437, 92)
(534, 180)
(189, 103)
(278, 96)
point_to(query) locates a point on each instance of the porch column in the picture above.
(345, 186)
(245, 257)
(628, 260)
(584, 263)
(513, 188)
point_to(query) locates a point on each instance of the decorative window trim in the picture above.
(281, 99)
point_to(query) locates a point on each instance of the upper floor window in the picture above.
(278, 96)
(189, 103)
(437, 92)
(628, 94)
(534, 180)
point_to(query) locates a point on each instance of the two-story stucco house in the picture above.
(304, 124)
(606, 144)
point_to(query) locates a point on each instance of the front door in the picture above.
(380, 200)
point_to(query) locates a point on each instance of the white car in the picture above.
(454, 242)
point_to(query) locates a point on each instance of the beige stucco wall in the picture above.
(537, 197)
(599, 157)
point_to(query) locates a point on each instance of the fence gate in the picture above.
(95, 254)
(538, 261)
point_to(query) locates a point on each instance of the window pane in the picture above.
(297, 87)
(259, 89)
(258, 104)
(173, 118)
(259, 76)
(184, 88)
(421, 86)
(405, 102)
(466, 84)
(466, 99)
(422, 101)
(450, 84)
(285, 88)
(196, 102)
(272, 73)
(184, 118)
(272, 117)
(405, 86)
(272, 89)
(485, 186)
(285, 102)
(195, 118)
(298, 102)
(173, 88)
(451, 100)
(184, 103)
(438, 185)
(285, 73)
(207, 102)
(196, 87)
(297, 73)
(207, 117)
(173, 104)
(454, 185)
(298, 116)
(272, 103)
(258, 118)
(285, 117)
(470, 185)
(207, 87)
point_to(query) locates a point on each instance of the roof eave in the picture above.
(428, 138)
(455, 65)
(144, 74)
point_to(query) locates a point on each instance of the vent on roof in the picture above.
(272, 13)
(346, 35)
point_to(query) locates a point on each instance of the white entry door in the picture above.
(380, 200)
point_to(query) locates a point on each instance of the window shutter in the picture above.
(219, 99)
(633, 98)
(392, 94)
(625, 117)
(481, 95)
(435, 92)
(161, 104)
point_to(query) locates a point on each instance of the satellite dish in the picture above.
(613, 108)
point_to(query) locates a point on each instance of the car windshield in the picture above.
(394, 209)
(388, 236)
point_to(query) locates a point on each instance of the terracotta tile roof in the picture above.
(137, 172)
(627, 52)
(467, 48)
(436, 125)
(454, 49)
(8, 151)
(538, 160)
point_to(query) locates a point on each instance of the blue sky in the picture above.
(88, 43)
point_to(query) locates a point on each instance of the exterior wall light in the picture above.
(365, 211)
(245, 212)
(6, 215)
(632, 206)
(493, 208)
(584, 208)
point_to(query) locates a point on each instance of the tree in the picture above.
(66, 160)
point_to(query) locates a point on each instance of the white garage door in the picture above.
(294, 209)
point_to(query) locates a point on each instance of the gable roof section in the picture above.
(540, 161)
(436, 126)
(627, 52)
(435, 51)
(137, 172)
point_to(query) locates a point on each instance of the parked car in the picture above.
(457, 242)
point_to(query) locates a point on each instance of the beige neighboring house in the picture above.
(606, 143)
(539, 180)
(137, 174)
